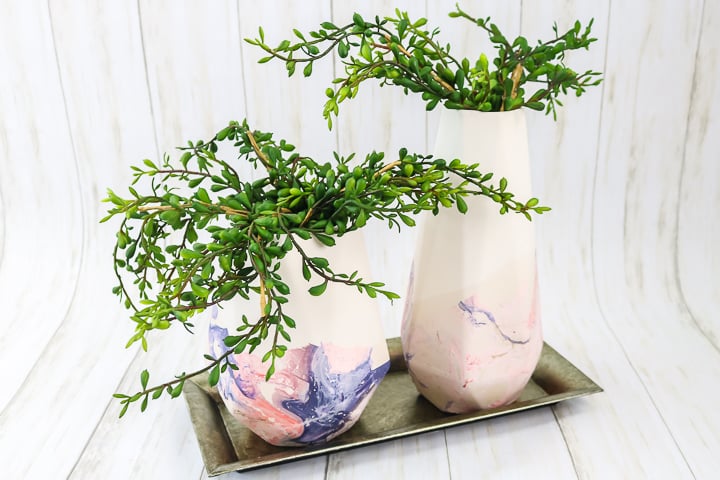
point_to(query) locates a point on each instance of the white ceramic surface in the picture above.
(471, 328)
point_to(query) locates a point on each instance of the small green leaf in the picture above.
(325, 239)
(318, 290)
(202, 195)
(307, 71)
(177, 390)
(144, 377)
(365, 52)
(199, 291)
(172, 218)
(535, 106)
(320, 262)
(407, 220)
(358, 20)
(306, 271)
(270, 372)
(461, 205)
(214, 376)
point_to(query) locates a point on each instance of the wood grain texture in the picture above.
(41, 198)
(160, 442)
(422, 456)
(101, 71)
(290, 107)
(634, 266)
(564, 156)
(194, 68)
(508, 447)
(698, 229)
(310, 469)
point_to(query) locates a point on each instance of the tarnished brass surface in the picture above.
(395, 410)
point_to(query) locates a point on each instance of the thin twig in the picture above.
(259, 152)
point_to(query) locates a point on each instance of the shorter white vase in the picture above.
(471, 327)
(331, 368)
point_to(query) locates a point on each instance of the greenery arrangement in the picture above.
(399, 51)
(203, 235)
(180, 253)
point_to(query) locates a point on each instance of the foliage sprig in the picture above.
(202, 235)
(400, 51)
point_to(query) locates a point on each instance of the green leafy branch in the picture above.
(201, 235)
(400, 51)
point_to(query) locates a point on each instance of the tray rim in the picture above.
(196, 394)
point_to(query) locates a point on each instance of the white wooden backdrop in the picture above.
(629, 257)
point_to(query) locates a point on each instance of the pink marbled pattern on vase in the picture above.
(473, 358)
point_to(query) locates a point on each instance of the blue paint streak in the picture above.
(471, 309)
(332, 397)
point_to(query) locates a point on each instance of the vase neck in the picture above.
(497, 141)
(487, 138)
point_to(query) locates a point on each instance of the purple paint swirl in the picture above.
(306, 400)
(468, 306)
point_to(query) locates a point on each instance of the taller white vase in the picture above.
(471, 327)
(336, 359)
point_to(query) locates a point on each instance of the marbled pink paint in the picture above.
(473, 358)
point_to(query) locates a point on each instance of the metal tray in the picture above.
(395, 410)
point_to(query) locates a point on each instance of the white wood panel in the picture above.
(2, 211)
(72, 381)
(513, 447)
(635, 225)
(194, 68)
(564, 157)
(107, 91)
(158, 443)
(698, 258)
(303, 469)
(41, 208)
(422, 456)
(290, 107)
